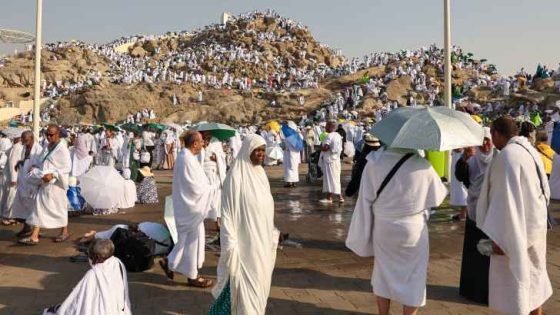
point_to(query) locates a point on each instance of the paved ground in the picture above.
(322, 277)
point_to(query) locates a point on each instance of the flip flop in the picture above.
(28, 241)
(61, 238)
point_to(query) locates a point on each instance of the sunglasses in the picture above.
(51, 134)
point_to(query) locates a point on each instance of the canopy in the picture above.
(219, 131)
(102, 187)
(428, 128)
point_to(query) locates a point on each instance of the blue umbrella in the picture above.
(292, 137)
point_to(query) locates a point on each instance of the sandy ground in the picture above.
(321, 277)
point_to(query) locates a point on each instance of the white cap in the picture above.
(73, 181)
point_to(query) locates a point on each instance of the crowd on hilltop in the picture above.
(207, 64)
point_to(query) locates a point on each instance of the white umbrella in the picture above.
(13, 132)
(274, 153)
(102, 187)
(428, 128)
(169, 218)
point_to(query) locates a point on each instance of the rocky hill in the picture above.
(240, 69)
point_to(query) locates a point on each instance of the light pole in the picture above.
(37, 93)
(447, 71)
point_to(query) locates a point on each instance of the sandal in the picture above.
(168, 273)
(61, 238)
(200, 283)
(28, 241)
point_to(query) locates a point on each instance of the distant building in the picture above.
(225, 17)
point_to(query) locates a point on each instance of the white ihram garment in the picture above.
(458, 191)
(216, 173)
(10, 175)
(24, 201)
(330, 164)
(191, 194)
(512, 211)
(129, 197)
(51, 205)
(102, 290)
(248, 236)
(292, 159)
(398, 236)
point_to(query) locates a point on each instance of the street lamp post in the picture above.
(37, 93)
(447, 70)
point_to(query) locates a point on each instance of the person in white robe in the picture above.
(191, 195)
(50, 210)
(5, 145)
(91, 142)
(392, 226)
(330, 163)
(81, 159)
(235, 145)
(512, 211)
(457, 190)
(102, 290)
(248, 236)
(214, 165)
(475, 266)
(10, 179)
(292, 159)
(26, 191)
(129, 197)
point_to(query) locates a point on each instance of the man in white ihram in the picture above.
(50, 209)
(192, 197)
(292, 159)
(102, 290)
(512, 211)
(330, 163)
(391, 225)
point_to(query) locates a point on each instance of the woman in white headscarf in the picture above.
(248, 236)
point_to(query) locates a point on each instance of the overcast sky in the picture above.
(509, 33)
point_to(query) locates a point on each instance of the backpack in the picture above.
(134, 249)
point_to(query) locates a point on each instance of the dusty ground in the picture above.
(322, 277)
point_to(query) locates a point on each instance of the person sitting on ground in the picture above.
(156, 231)
(129, 197)
(146, 190)
(103, 289)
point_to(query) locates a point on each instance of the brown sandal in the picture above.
(200, 283)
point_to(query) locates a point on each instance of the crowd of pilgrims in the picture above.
(284, 75)
(215, 180)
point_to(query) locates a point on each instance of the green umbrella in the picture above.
(219, 131)
(157, 126)
(131, 127)
(110, 127)
(428, 128)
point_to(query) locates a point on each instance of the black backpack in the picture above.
(134, 249)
